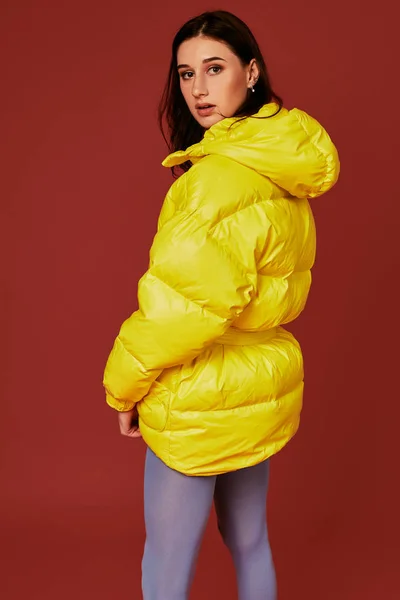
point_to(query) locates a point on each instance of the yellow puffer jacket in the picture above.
(218, 382)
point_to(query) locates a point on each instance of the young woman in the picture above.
(204, 370)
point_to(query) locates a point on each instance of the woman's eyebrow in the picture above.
(206, 60)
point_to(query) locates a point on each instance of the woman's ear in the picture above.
(254, 72)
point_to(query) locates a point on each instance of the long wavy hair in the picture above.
(178, 126)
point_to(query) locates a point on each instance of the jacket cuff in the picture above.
(119, 405)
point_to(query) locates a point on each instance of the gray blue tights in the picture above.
(177, 508)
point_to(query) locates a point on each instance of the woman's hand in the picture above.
(128, 423)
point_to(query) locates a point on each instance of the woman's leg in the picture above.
(240, 502)
(176, 509)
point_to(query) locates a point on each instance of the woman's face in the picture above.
(211, 74)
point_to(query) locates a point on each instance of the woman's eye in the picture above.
(189, 74)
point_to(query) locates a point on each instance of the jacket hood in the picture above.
(290, 148)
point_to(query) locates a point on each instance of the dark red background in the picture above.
(82, 189)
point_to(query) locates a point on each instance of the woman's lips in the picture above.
(204, 112)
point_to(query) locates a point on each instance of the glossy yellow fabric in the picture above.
(217, 380)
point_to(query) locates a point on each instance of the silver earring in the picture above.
(252, 89)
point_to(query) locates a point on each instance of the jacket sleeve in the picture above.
(192, 292)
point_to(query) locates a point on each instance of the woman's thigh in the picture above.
(240, 502)
(176, 509)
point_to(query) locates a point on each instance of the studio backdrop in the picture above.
(82, 185)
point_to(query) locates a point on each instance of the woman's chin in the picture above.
(207, 122)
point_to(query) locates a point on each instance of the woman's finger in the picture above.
(128, 423)
(136, 433)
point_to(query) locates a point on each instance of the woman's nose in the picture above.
(199, 87)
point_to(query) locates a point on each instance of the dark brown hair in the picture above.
(223, 26)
